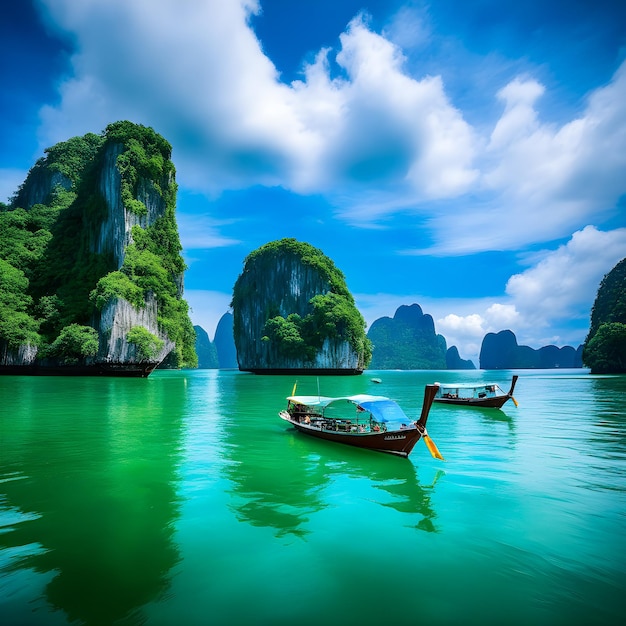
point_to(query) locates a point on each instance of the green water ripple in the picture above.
(184, 499)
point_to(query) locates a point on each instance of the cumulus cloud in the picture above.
(373, 137)
(378, 132)
(565, 281)
(559, 288)
(197, 73)
(194, 71)
(541, 181)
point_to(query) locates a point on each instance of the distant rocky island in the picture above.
(205, 349)
(221, 352)
(90, 260)
(501, 351)
(408, 342)
(292, 312)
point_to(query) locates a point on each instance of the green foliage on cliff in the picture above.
(74, 343)
(148, 345)
(23, 238)
(605, 346)
(331, 315)
(292, 335)
(52, 243)
(606, 351)
(69, 157)
(145, 158)
(267, 255)
(17, 327)
(116, 285)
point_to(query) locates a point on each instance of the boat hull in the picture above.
(395, 442)
(449, 394)
(486, 403)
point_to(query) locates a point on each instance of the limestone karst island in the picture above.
(90, 261)
(293, 313)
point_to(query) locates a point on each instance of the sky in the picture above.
(469, 157)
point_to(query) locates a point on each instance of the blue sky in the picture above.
(466, 156)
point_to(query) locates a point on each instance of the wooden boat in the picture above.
(365, 421)
(486, 395)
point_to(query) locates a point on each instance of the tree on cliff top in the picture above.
(605, 346)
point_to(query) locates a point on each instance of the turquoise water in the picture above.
(184, 499)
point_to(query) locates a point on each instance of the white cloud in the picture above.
(564, 283)
(196, 72)
(379, 128)
(202, 232)
(376, 139)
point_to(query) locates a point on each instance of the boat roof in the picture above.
(382, 409)
(465, 385)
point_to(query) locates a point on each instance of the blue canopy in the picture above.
(382, 409)
(385, 411)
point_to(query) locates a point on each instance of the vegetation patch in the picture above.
(74, 343)
(148, 345)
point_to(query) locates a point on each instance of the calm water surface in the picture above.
(184, 499)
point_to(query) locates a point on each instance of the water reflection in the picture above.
(91, 492)
(605, 409)
(281, 478)
(394, 478)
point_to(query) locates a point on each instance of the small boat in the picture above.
(365, 421)
(487, 395)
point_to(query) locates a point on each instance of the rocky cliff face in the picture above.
(115, 234)
(24, 355)
(116, 319)
(279, 283)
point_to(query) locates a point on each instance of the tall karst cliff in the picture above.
(91, 275)
(292, 312)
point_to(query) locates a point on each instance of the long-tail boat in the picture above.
(365, 421)
(486, 395)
